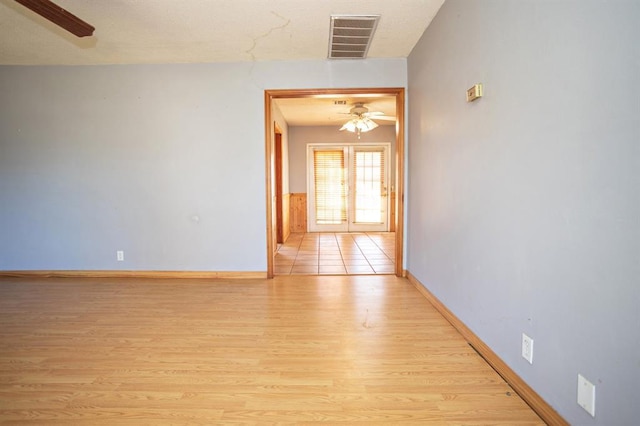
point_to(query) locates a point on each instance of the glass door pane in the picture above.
(347, 188)
(369, 191)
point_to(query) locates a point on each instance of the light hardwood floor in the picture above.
(293, 350)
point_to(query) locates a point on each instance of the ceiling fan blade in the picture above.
(378, 115)
(59, 16)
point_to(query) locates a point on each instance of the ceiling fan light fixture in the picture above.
(359, 125)
(367, 124)
(350, 126)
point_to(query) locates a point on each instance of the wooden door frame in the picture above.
(278, 184)
(269, 96)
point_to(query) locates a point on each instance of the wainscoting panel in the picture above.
(298, 209)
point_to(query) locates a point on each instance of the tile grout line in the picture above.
(381, 250)
(355, 241)
(365, 255)
(335, 240)
(296, 256)
(342, 257)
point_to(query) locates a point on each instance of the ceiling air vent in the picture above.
(351, 36)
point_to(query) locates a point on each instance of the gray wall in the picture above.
(524, 206)
(300, 136)
(165, 162)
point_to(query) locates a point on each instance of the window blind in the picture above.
(330, 188)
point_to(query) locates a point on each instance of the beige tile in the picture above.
(282, 269)
(283, 256)
(331, 262)
(349, 244)
(356, 262)
(372, 250)
(306, 262)
(302, 255)
(332, 270)
(304, 269)
(329, 256)
(353, 257)
(307, 252)
(379, 262)
(377, 257)
(384, 269)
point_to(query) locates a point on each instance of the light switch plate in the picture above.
(587, 395)
(474, 93)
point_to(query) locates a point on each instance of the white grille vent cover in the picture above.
(351, 36)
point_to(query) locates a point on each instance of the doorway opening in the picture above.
(376, 221)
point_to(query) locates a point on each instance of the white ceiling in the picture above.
(324, 111)
(186, 31)
(204, 31)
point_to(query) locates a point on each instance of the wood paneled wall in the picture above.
(298, 212)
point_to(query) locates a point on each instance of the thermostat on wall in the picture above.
(474, 93)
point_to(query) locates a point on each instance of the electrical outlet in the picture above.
(120, 255)
(587, 395)
(527, 348)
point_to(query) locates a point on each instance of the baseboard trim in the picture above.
(134, 274)
(539, 405)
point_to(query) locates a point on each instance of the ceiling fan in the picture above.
(59, 16)
(362, 120)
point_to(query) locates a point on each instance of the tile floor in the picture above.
(363, 253)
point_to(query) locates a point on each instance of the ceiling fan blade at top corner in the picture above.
(59, 16)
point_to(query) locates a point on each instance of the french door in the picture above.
(347, 187)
